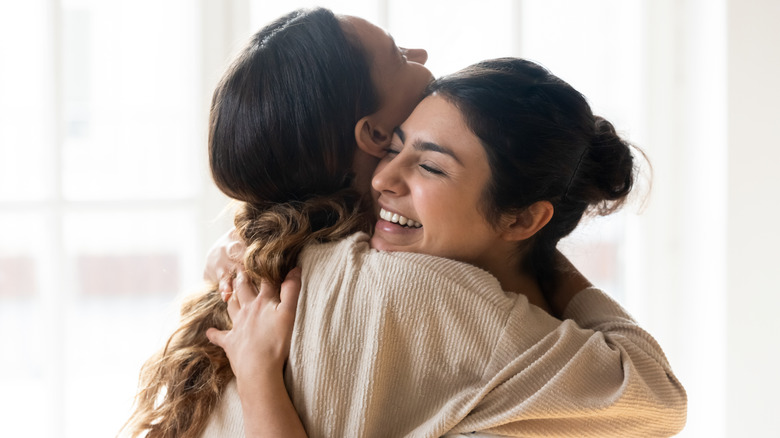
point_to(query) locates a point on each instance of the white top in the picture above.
(403, 344)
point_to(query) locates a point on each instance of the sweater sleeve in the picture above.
(226, 420)
(598, 374)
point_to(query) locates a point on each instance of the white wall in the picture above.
(753, 361)
(709, 287)
(679, 290)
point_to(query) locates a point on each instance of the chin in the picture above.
(381, 245)
(376, 243)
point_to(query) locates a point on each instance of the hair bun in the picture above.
(611, 175)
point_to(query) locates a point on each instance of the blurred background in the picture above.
(107, 208)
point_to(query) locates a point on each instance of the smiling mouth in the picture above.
(398, 219)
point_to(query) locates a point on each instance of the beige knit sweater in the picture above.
(401, 344)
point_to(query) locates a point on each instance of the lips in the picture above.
(398, 219)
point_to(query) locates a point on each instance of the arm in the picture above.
(598, 373)
(446, 350)
(257, 347)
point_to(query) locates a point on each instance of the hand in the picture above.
(224, 261)
(259, 343)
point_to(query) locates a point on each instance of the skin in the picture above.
(435, 173)
(400, 77)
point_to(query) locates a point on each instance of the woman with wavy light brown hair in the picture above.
(301, 91)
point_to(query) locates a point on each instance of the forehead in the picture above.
(439, 121)
(435, 113)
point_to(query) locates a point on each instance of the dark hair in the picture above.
(281, 139)
(293, 96)
(543, 143)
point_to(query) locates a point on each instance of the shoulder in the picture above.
(353, 257)
(403, 269)
(592, 307)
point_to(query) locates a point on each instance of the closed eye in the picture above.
(432, 170)
(390, 153)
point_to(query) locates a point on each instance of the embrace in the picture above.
(395, 250)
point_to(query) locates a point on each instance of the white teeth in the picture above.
(398, 219)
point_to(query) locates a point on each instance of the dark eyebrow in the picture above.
(427, 146)
(400, 134)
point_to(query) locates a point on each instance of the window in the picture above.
(102, 183)
(106, 204)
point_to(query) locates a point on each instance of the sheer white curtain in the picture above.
(106, 207)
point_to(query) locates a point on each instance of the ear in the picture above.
(371, 138)
(528, 222)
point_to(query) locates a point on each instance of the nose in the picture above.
(419, 56)
(387, 178)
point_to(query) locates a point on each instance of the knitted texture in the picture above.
(402, 344)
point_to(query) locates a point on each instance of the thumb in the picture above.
(290, 289)
(216, 337)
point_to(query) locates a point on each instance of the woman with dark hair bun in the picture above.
(409, 331)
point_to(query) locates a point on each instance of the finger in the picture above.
(243, 289)
(233, 306)
(268, 291)
(225, 284)
(291, 288)
(216, 337)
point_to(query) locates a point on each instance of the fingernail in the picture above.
(295, 272)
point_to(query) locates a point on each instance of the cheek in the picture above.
(408, 94)
(422, 76)
(436, 206)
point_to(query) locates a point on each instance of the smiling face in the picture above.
(434, 175)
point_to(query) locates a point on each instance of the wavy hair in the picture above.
(281, 141)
